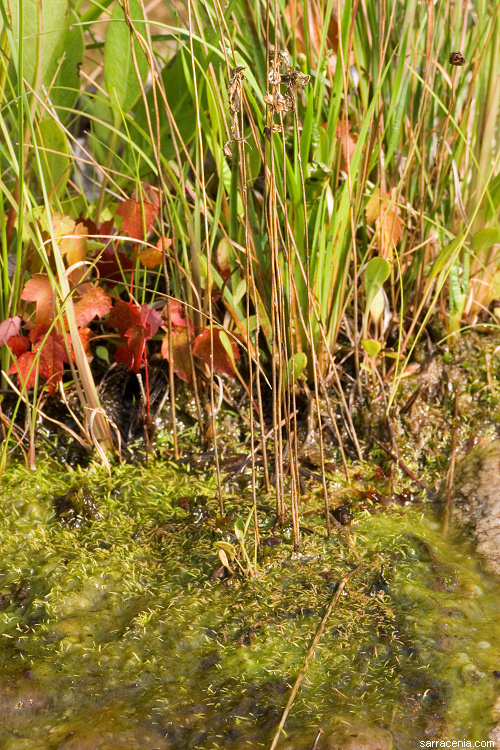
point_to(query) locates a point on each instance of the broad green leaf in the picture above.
(63, 74)
(371, 347)
(484, 240)
(102, 353)
(55, 156)
(377, 271)
(43, 25)
(120, 74)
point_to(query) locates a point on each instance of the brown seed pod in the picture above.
(456, 58)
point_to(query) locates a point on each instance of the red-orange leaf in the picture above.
(38, 290)
(112, 266)
(124, 356)
(22, 367)
(75, 245)
(94, 304)
(52, 358)
(38, 332)
(181, 360)
(222, 360)
(137, 217)
(18, 344)
(151, 320)
(136, 342)
(85, 334)
(151, 257)
(123, 316)
(149, 192)
(178, 315)
(136, 325)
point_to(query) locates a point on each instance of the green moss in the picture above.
(120, 619)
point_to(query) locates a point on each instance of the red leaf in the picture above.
(106, 229)
(9, 328)
(137, 335)
(151, 320)
(93, 304)
(136, 342)
(136, 325)
(178, 315)
(38, 290)
(90, 226)
(18, 344)
(38, 332)
(123, 316)
(222, 360)
(149, 192)
(21, 368)
(112, 266)
(181, 360)
(52, 358)
(124, 356)
(137, 217)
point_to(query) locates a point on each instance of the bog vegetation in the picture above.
(270, 197)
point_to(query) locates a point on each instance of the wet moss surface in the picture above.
(120, 629)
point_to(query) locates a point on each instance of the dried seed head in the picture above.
(456, 58)
(238, 71)
(235, 103)
(301, 79)
(283, 58)
(274, 78)
(275, 128)
(280, 104)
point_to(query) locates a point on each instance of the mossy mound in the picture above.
(120, 629)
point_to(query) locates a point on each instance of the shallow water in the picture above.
(117, 631)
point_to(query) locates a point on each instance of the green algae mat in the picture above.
(120, 628)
